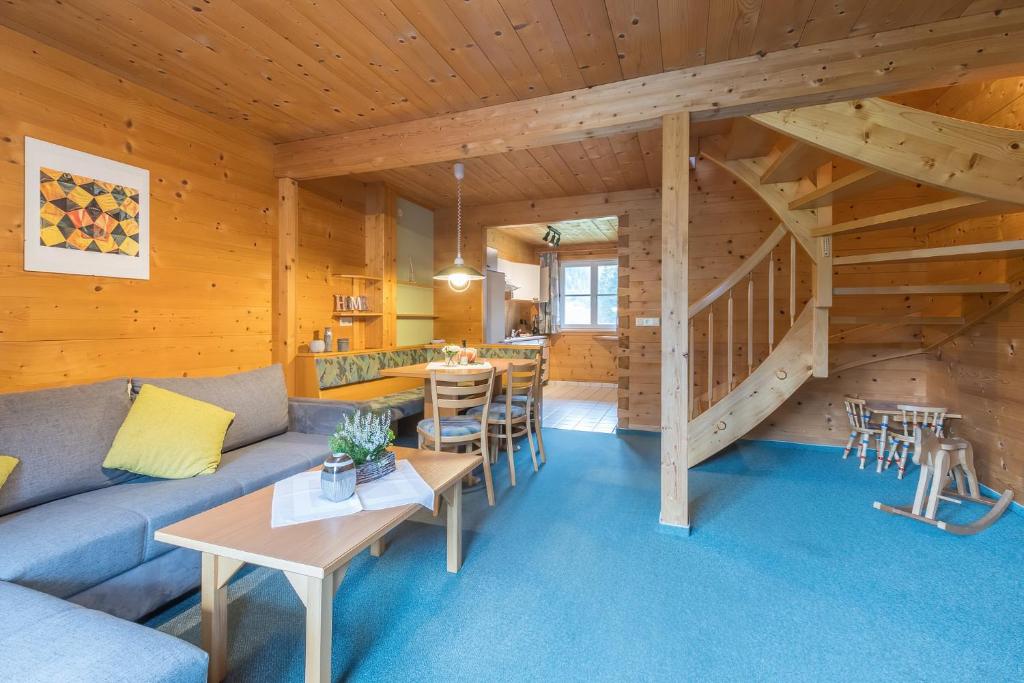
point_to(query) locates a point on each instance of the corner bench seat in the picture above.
(40, 635)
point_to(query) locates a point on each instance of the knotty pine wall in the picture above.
(207, 306)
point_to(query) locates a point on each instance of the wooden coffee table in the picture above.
(313, 556)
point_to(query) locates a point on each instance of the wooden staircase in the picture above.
(767, 328)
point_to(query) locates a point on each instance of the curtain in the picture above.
(550, 322)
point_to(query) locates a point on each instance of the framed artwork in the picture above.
(84, 214)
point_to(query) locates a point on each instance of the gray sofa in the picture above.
(73, 534)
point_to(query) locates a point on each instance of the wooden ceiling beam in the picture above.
(794, 162)
(850, 185)
(959, 252)
(947, 210)
(937, 54)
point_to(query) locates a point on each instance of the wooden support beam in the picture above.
(946, 210)
(959, 252)
(748, 139)
(936, 290)
(850, 185)
(675, 345)
(794, 162)
(926, 56)
(952, 154)
(381, 240)
(284, 344)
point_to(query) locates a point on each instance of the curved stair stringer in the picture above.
(784, 371)
(776, 196)
(1004, 302)
(951, 154)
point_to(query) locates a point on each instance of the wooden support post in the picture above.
(381, 238)
(771, 301)
(711, 355)
(690, 337)
(792, 280)
(675, 360)
(822, 279)
(750, 325)
(729, 340)
(284, 344)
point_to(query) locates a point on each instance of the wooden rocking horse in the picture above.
(942, 459)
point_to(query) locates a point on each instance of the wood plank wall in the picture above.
(207, 307)
(331, 236)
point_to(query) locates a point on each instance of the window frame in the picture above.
(594, 265)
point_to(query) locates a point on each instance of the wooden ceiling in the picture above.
(587, 231)
(294, 69)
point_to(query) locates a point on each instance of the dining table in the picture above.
(423, 371)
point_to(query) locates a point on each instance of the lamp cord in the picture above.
(458, 218)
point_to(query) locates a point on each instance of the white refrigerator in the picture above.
(494, 307)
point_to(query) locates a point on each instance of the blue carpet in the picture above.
(789, 575)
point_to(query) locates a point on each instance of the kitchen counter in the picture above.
(524, 338)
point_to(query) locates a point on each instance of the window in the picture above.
(590, 294)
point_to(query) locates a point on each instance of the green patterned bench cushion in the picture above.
(516, 352)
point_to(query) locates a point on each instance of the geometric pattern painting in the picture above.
(76, 212)
(84, 214)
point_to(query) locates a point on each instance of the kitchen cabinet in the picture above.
(526, 277)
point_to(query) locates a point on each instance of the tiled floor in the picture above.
(580, 406)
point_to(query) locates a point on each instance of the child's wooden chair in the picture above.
(860, 428)
(928, 418)
(453, 391)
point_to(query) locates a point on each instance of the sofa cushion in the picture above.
(68, 545)
(400, 403)
(160, 502)
(61, 437)
(258, 398)
(43, 638)
(263, 463)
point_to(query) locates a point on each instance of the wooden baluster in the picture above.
(711, 353)
(792, 280)
(689, 364)
(728, 337)
(771, 301)
(750, 325)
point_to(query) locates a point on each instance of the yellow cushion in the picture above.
(170, 436)
(7, 465)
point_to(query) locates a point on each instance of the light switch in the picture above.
(648, 322)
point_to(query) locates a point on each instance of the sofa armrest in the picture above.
(316, 415)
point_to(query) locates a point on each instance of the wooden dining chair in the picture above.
(455, 391)
(861, 429)
(535, 409)
(510, 417)
(903, 443)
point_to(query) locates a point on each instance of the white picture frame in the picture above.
(87, 258)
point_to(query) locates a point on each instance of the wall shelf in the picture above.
(371, 278)
(356, 314)
(417, 316)
(415, 284)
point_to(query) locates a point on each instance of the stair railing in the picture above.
(759, 270)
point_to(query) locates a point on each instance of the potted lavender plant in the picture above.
(366, 438)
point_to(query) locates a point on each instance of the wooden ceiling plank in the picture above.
(387, 23)
(779, 24)
(850, 185)
(748, 139)
(630, 158)
(947, 210)
(510, 173)
(886, 15)
(794, 162)
(928, 56)
(959, 252)
(731, 25)
(830, 21)
(602, 156)
(650, 145)
(494, 34)
(538, 175)
(554, 164)
(589, 33)
(684, 33)
(537, 25)
(575, 157)
(637, 33)
(436, 23)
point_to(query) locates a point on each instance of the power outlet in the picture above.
(648, 322)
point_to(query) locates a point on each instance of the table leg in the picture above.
(213, 625)
(453, 500)
(319, 620)
(377, 547)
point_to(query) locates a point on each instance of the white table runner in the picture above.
(441, 365)
(298, 499)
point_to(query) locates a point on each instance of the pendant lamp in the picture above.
(458, 275)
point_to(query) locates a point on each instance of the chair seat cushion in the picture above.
(522, 399)
(68, 545)
(452, 426)
(43, 638)
(497, 411)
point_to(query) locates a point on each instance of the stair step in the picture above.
(960, 252)
(855, 183)
(894, 320)
(794, 163)
(946, 210)
(974, 288)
